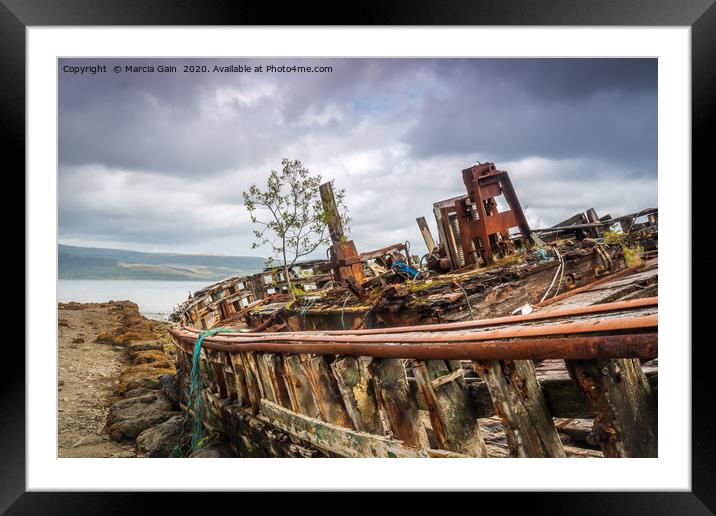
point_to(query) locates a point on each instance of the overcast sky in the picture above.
(158, 161)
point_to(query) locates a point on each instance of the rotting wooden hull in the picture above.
(269, 403)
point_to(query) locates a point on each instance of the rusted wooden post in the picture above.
(358, 394)
(325, 390)
(520, 403)
(299, 388)
(341, 249)
(335, 228)
(625, 421)
(454, 422)
(401, 409)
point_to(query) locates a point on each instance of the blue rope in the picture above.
(196, 402)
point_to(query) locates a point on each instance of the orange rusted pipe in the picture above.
(462, 325)
(616, 324)
(644, 345)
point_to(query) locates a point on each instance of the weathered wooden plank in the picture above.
(451, 413)
(255, 388)
(299, 388)
(427, 236)
(325, 390)
(401, 408)
(220, 379)
(625, 412)
(242, 391)
(274, 367)
(519, 402)
(336, 439)
(564, 398)
(358, 394)
(264, 377)
(230, 380)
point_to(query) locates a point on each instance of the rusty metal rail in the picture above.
(621, 324)
(644, 345)
(616, 336)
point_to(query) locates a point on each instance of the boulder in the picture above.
(160, 440)
(170, 386)
(149, 405)
(130, 429)
(130, 417)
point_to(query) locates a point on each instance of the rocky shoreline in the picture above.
(116, 388)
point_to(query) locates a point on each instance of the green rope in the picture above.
(196, 402)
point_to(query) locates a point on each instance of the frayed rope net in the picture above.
(196, 401)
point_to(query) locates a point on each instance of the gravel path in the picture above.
(88, 375)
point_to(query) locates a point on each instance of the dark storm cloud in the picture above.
(566, 108)
(158, 161)
(207, 122)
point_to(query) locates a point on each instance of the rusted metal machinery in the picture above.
(483, 228)
(472, 229)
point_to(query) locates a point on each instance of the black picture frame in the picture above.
(700, 15)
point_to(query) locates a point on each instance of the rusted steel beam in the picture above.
(589, 286)
(616, 324)
(462, 325)
(641, 345)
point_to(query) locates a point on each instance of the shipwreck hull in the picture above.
(428, 391)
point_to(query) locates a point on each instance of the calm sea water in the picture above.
(156, 299)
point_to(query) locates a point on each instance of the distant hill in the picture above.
(99, 263)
